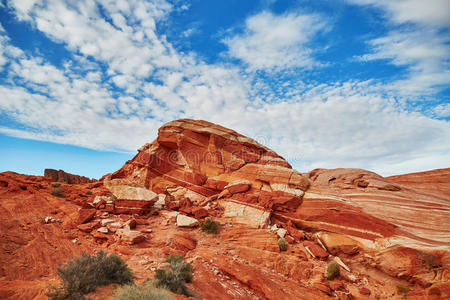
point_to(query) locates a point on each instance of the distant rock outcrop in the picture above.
(61, 176)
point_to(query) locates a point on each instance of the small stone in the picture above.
(185, 221)
(364, 291)
(281, 232)
(107, 221)
(74, 241)
(103, 230)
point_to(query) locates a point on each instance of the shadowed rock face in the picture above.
(61, 176)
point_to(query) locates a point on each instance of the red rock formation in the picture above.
(379, 208)
(383, 232)
(198, 159)
(61, 176)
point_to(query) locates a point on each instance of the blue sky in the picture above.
(346, 83)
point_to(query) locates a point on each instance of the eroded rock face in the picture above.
(198, 159)
(363, 204)
(61, 176)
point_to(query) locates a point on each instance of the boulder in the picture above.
(281, 232)
(130, 236)
(315, 249)
(253, 216)
(99, 235)
(107, 221)
(88, 227)
(85, 215)
(130, 199)
(199, 212)
(185, 221)
(171, 215)
(238, 186)
(103, 230)
(183, 242)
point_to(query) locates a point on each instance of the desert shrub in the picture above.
(333, 270)
(145, 292)
(282, 244)
(174, 280)
(59, 293)
(55, 184)
(85, 274)
(88, 193)
(209, 226)
(57, 191)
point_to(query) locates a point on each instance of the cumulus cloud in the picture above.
(276, 41)
(102, 97)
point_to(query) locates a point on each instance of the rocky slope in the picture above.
(384, 232)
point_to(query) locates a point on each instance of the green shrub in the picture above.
(57, 192)
(333, 270)
(88, 193)
(85, 274)
(209, 226)
(174, 280)
(55, 184)
(145, 292)
(282, 244)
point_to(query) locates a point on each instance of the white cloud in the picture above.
(442, 110)
(276, 41)
(81, 26)
(426, 12)
(421, 47)
(350, 124)
(423, 52)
